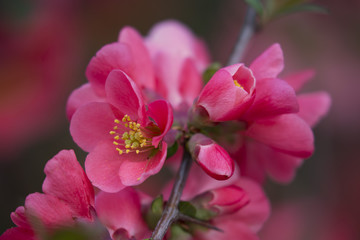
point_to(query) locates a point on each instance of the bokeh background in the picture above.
(45, 47)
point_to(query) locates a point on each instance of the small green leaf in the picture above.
(257, 5)
(157, 206)
(187, 209)
(179, 233)
(306, 7)
(210, 71)
(204, 214)
(154, 213)
(172, 150)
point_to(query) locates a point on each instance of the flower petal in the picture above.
(51, 211)
(111, 56)
(273, 97)
(18, 233)
(162, 114)
(297, 80)
(260, 160)
(81, 96)
(257, 211)
(122, 210)
(136, 168)
(142, 72)
(123, 93)
(269, 64)
(232, 230)
(287, 133)
(282, 167)
(175, 38)
(313, 106)
(19, 218)
(190, 81)
(91, 124)
(102, 167)
(66, 180)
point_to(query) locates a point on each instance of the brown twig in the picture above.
(171, 211)
(246, 33)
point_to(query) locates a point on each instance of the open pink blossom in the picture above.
(68, 196)
(123, 138)
(121, 214)
(240, 93)
(211, 157)
(179, 59)
(275, 143)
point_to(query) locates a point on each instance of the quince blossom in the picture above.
(68, 197)
(277, 143)
(123, 138)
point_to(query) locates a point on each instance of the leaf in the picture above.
(306, 7)
(187, 209)
(210, 71)
(179, 233)
(157, 206)
(172, 150)
(257, 5)
(154, 213)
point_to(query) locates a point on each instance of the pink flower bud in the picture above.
(224, 200)
(212, 158)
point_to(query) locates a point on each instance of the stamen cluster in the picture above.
(133, 139)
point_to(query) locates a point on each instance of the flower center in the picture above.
(129, 136)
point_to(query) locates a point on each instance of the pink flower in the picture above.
(237, 92)
(179, 60)
(211, 157)
(68, 196)
(279, 144)
(123, 138)
(121, 214)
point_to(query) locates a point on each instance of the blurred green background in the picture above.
(45, 47)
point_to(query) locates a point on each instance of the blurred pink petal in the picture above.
(81, 96)
(269, 64)
(287, 133)
(121, 212)
(314, 106)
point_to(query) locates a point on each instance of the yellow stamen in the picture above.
(238, 84)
